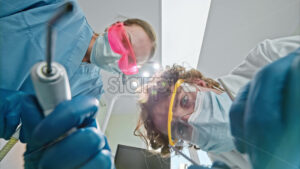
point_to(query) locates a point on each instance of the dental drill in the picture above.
(50, 80)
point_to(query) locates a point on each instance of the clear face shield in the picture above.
(199, 117)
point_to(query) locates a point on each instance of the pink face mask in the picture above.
(119, 43)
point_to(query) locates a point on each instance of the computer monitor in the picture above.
(137, 158)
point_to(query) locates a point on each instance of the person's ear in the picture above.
(200, 82)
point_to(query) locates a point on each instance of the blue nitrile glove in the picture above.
(291, 111)
(237, 112)
(266, 121)
(85, 148)
(197, 167)
(10, 110)
(216, 165)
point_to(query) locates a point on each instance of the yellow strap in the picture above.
(170, 114)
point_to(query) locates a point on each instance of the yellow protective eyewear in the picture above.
(170, 114)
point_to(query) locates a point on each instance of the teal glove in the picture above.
(216, 165)
(291, 111)
(237, 113)
(84, 148)
(265, 116)
(197, 167)
(10, 111)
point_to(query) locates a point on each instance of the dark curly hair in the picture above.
(159, 88)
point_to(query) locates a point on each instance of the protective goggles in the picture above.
(121, 44)
(179, 129)
(199, 117)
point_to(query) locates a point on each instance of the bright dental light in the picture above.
(134, 84)
(156, 66)
(146, 74)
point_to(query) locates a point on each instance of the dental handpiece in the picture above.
(226, 89)
(50, 80)
(185, 156)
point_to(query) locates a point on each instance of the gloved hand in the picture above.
(291, 111)
(237, 113)
(197, 167)
(269, 124)
(10, 110)
(84, 148)
(216, 165)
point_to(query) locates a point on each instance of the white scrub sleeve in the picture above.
(264, 53)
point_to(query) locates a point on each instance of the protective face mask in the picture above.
(103, 56)
(210, 122)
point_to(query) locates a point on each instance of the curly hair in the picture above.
(157, 89)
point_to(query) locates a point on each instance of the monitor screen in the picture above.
(136, 158)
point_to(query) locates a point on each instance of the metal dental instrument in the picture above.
(50, 80)
(185, 156)
(226, 89)
(9, 145)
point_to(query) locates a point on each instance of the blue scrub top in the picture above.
(23, 43)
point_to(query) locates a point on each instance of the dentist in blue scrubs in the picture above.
(22, 44)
